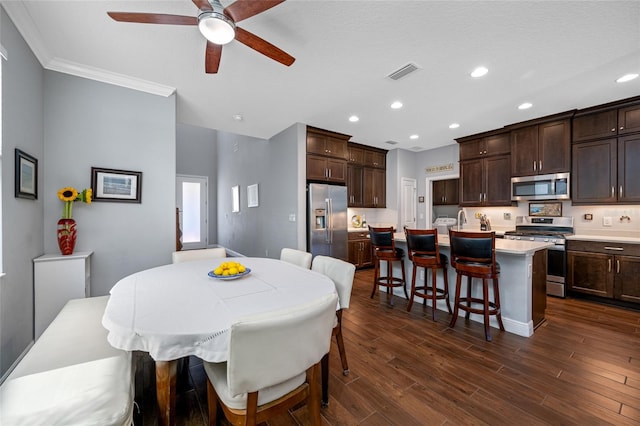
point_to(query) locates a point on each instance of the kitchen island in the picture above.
(523, 266)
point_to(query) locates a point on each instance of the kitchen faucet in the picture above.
(461, 217)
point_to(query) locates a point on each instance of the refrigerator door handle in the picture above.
(329, 225)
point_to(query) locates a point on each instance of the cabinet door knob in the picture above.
(621, 127)
(534, 165)
(613, 192)
(608, 265)
(613, 130)
(540, 165)
(620, 192)
(617, 266)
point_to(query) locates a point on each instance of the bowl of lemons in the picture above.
(229, 271)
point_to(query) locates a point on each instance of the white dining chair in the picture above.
(200, 254)
(273, 364)
(341, 273)
(296, 257)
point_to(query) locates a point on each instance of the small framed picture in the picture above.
(26, 182)
(252, 195)
(116, 185)
(545, 209)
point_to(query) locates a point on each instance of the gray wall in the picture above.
(22, 220)
(196, 156)
(71, 124)
(275, 166)
(88, 123)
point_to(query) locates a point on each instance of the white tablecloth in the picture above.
(177, 310)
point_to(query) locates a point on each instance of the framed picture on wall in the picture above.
(116, 185)
(26, 182)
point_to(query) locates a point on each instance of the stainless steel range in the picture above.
(552, 230)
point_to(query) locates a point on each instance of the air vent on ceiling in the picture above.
(392, 142)
(403, 72)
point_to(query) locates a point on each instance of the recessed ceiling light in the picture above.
(238, 117)
(525, 105)
(454, 125)
(396, 105)
(414, 137)
(479, 72)
(627, 77)
(354, 118)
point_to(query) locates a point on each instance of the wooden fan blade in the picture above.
(243, 9)
(263, 46)
(153, 18)
(203, 5)
(212, 58)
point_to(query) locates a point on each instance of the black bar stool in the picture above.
(385, 250)
(473, 254)
(424, 252)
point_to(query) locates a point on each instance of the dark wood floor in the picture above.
(581, 366)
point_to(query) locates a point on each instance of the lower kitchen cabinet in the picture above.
(359, 247)
(604, 269)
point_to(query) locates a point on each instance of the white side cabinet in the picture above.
(58, 279)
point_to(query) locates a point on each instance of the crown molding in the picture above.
(29, 31)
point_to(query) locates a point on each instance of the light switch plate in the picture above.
(607, 221)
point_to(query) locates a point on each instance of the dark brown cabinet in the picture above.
(374, 187)
(541, 149)
(607, 123)
(359, 247)
(485, 182)
(355, 175)
(366, 176)
(606, 171)
(484, 146)
(326, 156)
(445, 192)
(324, 169)
(608, 270)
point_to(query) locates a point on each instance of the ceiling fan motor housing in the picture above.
(215, 26)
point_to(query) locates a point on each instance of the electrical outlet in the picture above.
(292, 217)
(607, 221)
(506, 216)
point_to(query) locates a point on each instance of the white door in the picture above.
(408, 210)
(191, 201)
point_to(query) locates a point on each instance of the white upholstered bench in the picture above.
(71, 375)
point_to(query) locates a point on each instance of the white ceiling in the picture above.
(557, 55)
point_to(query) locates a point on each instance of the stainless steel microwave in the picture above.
(540, 187)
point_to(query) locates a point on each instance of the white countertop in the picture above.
(610, 238)
(518, 247)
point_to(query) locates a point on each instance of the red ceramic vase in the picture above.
(66, 235)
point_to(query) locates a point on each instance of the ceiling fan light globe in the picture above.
(216, 27)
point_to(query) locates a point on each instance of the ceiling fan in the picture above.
(218, 25)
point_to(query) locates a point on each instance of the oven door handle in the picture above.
(556, 247)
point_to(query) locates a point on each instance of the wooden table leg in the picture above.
(166, 391)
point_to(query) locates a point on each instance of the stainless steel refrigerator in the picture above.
(327, 220)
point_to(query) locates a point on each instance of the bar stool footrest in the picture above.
(493, 309)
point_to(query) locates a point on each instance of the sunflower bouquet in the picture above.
(69, 195)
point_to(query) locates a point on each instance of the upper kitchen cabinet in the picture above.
(326, 143)
(366, 176)
(606, 172)
(543, 147)
(445, 192)
(605, 121)
(356, 154)
(375, 158)
(604, 169)
(484, 146)
(485, 170)
(327, 155)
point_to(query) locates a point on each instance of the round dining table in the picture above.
(179, 310)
